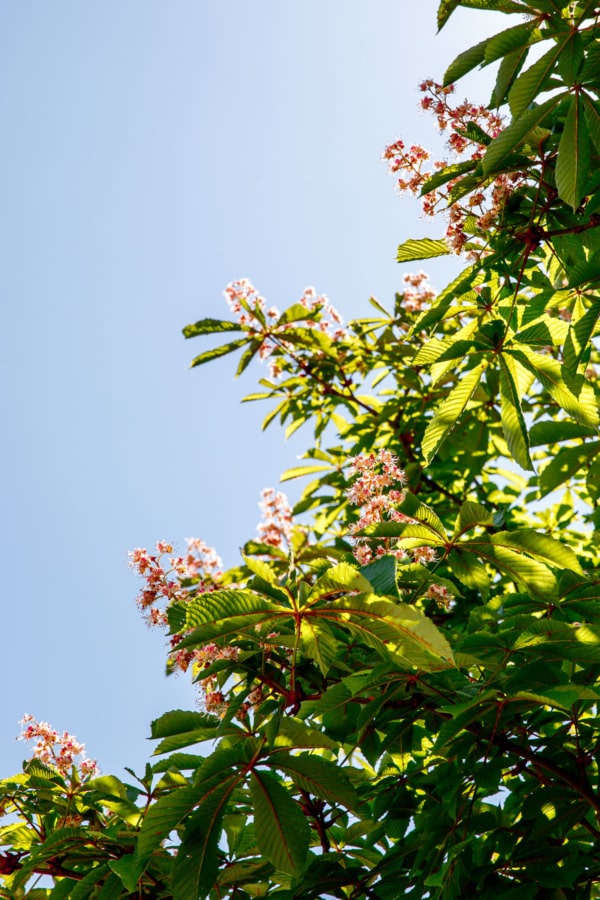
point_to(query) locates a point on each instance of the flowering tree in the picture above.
(398, 684)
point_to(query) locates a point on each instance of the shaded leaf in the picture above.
(281, 828)
(573, 163)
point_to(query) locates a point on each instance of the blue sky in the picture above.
(151, 153)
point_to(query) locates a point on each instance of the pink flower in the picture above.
(276, 527)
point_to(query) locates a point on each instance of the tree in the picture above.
(399, 680)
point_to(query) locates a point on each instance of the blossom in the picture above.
(176, 578)
(55, 749)
(373, 491)
(276, 527)
(467, 127)
(441, 595)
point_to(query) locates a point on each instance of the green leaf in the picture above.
(516, 134)
(579, 336)
(216, 352)
(210, 326)
(535, 79)
(553, 432)
(465, 61)
(514, 426)
(508, 70)
(281, 828)
(161, 818)
(585, 273)
(301, 471)
(529, 574)
(567, 462)
(318, 643)
(592, 117)
(573, 163)
(446, 174)
(197, 862)
(340, 578)
(469, 570)
(391, 627)
(319, 777)
(447, 7)
(470, 515)
(505, 42)
(540, 546)
(425, 248)
(449, 411)
(576, 398)
(179, 721)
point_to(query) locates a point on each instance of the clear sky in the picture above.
(151, 153)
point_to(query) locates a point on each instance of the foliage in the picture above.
(399, 682)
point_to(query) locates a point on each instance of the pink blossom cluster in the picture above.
(165, 580)
(276, 526)
(373, 493)
(441, 595)
(481, 207)
(58, 750)
(418, 292)
(264, 322)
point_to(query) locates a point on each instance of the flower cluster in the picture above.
(269, 326)
(468, 127)
(276, 527)
(418, 292)
(440, 595)
(179, 578)
(374, 493)
(58, 750)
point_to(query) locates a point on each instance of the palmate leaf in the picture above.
(514, 426)
(281, 828)
(449, 411)
(338, 579)
(425, 248)
(318, 776)
(573, 163)
(391, 627)
(219, 606)
(529, 574)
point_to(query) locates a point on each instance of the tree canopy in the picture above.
(399, 681)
